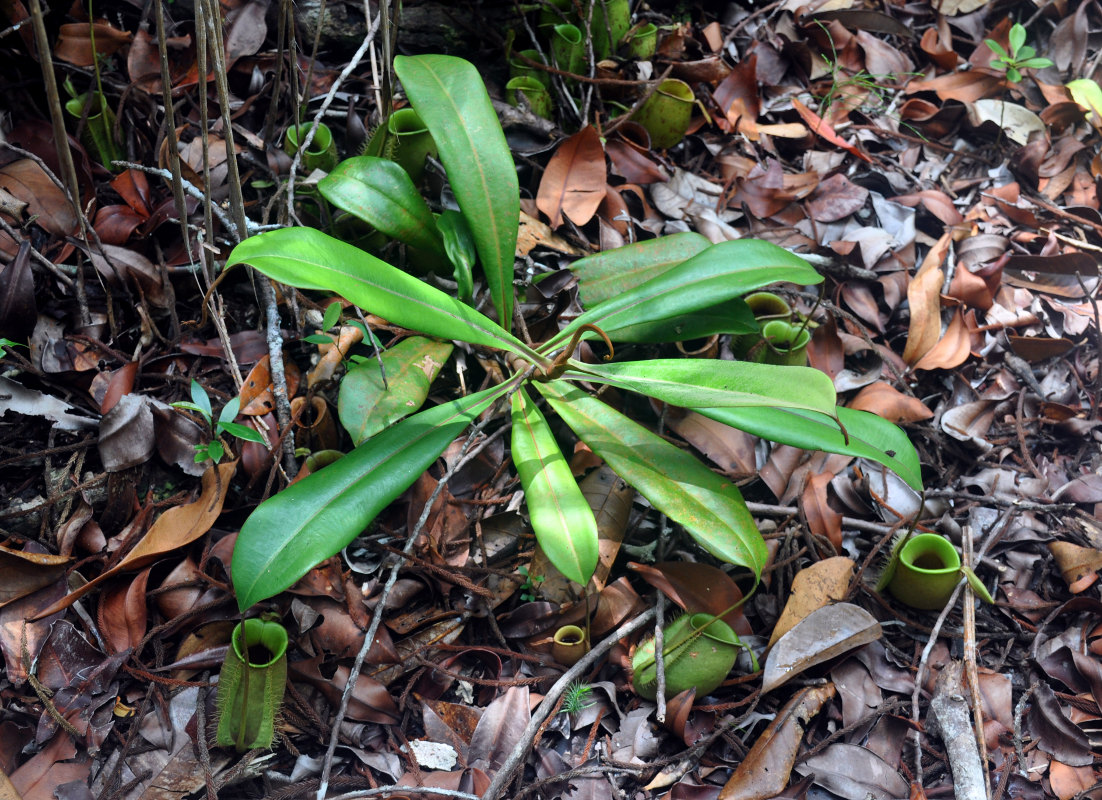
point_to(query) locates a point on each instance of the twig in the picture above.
(520, 750)
(354, 62)
(949, 713)
(468, 452)
(970, 658)
(865, 526)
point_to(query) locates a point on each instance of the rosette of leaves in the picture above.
(690, 293)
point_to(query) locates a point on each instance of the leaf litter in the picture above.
(955, 213)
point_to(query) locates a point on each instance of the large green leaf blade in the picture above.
(366, 406)
(709, 507)
(309, 521)
(604, 275)
(380, 192)
(561, 516)
(693, 382)
(449, 95)
(310, 259)
(870, 436)
(716, 275)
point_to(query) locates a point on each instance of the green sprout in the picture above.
(216, 448)
(1021, 55)
(7, 343)
(576, 698)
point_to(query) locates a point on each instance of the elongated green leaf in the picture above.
(310, 259)
(709, 507)
(716, 275)
(313, 519)
(449, 95)
(380, 192)
(870, 436)
(693, 382)
(561, 517)
(604, 275)
(461, 250)
(366, 406)
(734, 316)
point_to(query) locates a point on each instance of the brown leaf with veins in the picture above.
(574, 181)
(765, 771)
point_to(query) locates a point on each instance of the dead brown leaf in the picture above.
(888, 402)
(765, 771)
(574, 181)
(823, 582)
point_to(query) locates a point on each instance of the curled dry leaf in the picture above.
(818, 637)
(1078, 565)
(33, 403)
(23, 572)
(952, 349)
(765, 771)
(888, 402)
(697, 587)
(126, 434)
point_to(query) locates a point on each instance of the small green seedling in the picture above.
(576, 698)
(1021, 55)
(530, 586)
(216, 448)
(6, 343)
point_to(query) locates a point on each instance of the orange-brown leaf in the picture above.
(574, 181)
(891, 404)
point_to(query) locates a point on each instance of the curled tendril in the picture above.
(559, 365)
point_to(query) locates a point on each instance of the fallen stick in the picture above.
(950, 719)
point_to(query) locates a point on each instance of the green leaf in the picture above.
(229, 411)
(693, 382)
(366, 407)
(1035, 63)
(997, 48)
(870, 436)
(318, 338)
(709, 507)
(718, 274)
(332, 314)
(1024, 54)
(380, 192)
(201, 400)
(1013, 75)
(1016, 37)
(977, 585)
(311, 520)
(242, 432)
(460, 246)
(449, 95)
(561, 516)
(310, 259)
(734, 316)
(611, 272)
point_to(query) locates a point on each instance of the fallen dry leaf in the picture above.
(1078, 565)
(765, 771)
(574, 181)
(888, 402)
(818, 637)
(826, 581)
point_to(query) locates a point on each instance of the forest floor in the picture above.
(947, 190)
